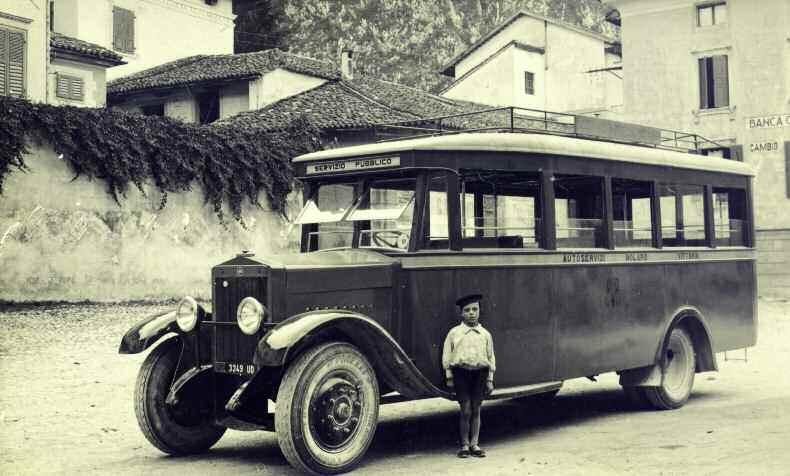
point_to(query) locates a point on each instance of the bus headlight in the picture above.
(249, 315)
(187, 313)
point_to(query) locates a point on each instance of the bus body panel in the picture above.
(554, 323)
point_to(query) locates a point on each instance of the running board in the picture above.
(524, 390)
(497, 394)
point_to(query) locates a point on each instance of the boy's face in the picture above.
(471, 313)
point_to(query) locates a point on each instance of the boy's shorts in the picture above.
(469, 384)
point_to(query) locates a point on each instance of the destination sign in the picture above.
(352, 165)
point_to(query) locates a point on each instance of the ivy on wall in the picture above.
(124, 149)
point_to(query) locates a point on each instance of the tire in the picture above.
(678, 365)
(636, 396)
(327, 409)
(176, 431)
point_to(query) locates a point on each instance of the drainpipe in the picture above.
(47, 48)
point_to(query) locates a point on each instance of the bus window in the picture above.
(500, 209)
(437, 213)
(386, 212)
(729, 217)
(578, 209)
(682, 215)
(632, 218)
(331, 204)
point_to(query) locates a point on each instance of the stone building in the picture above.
(63, 52)
(147, 33)
(721, 69)
(531, 61)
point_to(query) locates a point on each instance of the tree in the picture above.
(260, 25)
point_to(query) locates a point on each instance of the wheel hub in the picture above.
(335, 409)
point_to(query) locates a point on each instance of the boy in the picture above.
(469, 365)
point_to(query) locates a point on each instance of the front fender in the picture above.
(146, 332)
(390, 361)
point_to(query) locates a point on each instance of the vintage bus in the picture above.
(593, 256)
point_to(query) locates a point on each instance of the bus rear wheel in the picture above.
(327, 409)
(678, 365)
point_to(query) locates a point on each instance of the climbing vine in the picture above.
(124, 150)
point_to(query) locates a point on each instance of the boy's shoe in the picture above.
(463, 453)
(478, 452)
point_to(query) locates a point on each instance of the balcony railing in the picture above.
(517, 119)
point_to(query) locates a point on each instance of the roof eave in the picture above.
(196, 84)
(82, 57)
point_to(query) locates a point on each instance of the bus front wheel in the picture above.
(678, 365)
(327, 409)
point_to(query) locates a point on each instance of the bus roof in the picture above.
(537, 144)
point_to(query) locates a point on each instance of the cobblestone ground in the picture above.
(66, 408)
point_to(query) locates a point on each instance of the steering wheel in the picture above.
(390, 239)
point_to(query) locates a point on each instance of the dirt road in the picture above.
(66, 408)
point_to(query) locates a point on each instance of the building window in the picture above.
(153, 110)
(714, 86)
(12, 62)
(123, 30)
(712, 14)
(69, 87)
(529, 82)
(208, 107)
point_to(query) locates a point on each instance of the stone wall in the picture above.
(773, 262)
(64, 239)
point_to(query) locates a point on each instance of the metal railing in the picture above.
(517, 119)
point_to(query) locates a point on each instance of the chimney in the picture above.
(347, 64)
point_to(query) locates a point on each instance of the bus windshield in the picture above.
(381, 210)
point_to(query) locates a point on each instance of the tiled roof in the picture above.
(59, 41)
(204, 68)
(333, 105)
(355, 103)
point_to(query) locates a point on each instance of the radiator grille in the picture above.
(230, 344)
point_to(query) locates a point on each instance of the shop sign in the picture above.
(768, 122)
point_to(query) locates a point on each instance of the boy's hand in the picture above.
(450, 383)
(489, 387)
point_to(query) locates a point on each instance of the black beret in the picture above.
(468, 299)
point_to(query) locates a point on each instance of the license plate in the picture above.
(239, 369)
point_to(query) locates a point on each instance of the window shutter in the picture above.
(123, 29)
(703, 83)
(69, 87)
(721, 86)
(77, 89)
(16, 64)
(3, 61)
(116, 28)
(130, 30)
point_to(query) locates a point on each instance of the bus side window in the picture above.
(729, 216)
(632, 218)
(436, 217)
(500, 209)
(682, 215)
(578, 209)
